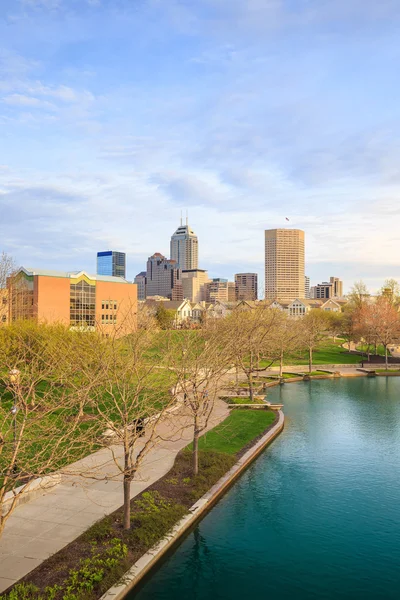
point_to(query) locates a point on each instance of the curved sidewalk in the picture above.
(45, 524)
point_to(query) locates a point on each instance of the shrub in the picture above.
(100, 530)
(156, 516)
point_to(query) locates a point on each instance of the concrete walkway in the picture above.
(47, 523)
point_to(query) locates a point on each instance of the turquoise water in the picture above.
(316, 515)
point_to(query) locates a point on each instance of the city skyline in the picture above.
(244, 115)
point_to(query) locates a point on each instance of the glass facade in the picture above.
(111, 263)
(22, 297)
(82, 304)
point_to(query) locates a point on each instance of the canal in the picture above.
(316, 516)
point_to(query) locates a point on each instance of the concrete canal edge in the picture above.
(149, 560)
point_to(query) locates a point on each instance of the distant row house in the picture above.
(187, 312)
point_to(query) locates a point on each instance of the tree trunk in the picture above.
(281, 365)
(251, 386)
(310, 359)
(237, 376)
(127, 502)
(386, 358)
(376, 348)
(195, 449)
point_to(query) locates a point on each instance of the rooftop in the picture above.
(31, 271)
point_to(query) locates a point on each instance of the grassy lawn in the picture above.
(387, 370)
(241, 400)
(364, 348)
(314, 373)
(40, 438)
(290, 375)
(329, 353)
(240, 428)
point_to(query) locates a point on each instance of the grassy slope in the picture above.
(237, 431)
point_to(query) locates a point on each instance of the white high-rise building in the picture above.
(184, 248)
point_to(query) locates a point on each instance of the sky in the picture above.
(116, 115)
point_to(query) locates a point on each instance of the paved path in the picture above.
(49, 522)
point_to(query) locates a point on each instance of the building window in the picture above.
(4, 318)
(82, 304)
(4, 300)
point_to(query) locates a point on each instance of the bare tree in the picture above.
(336, 321)
(201, 359)
(314, 326)
(7, 268)
(252, 334)
(129, 402)
(285, 338)
(43, 389)
(381, 320)
(358, 294)
(391, 291)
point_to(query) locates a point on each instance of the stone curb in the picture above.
(148, 560)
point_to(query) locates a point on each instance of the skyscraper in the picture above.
(140, 281)
(184, 247)
(217, 289)
(111, 263)
(246, 286)
(337, 287)
(307, 287)
(284, 264)
(163, 278)
(194, 284)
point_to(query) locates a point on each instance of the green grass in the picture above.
(380, 349)
(241, 400)
(290, 375)
(40, 439)
(315, 373)
(238, 430)
(329, 353)
(387, 370)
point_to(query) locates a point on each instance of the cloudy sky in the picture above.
(115, 115)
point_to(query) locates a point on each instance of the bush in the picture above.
(156, 516)
(82, 581)
(100, 530)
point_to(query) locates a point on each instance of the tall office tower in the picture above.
(163, 278)
(111, 263)
(284, 264)
(246, 286)
(329, 289)
(217, 289)
(231, 291)
(323, 290)
(337, 287)
(194, 284)
(184, 247)
(307, 287)
(140, 281)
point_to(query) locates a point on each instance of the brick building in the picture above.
(76, 299)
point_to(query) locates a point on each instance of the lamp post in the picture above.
(14, 380)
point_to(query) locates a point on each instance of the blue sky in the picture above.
(115, 115)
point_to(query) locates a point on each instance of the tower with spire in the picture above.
(184, 247)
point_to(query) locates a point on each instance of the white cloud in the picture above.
(21, 100)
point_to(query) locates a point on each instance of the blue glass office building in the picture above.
(111, 263)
